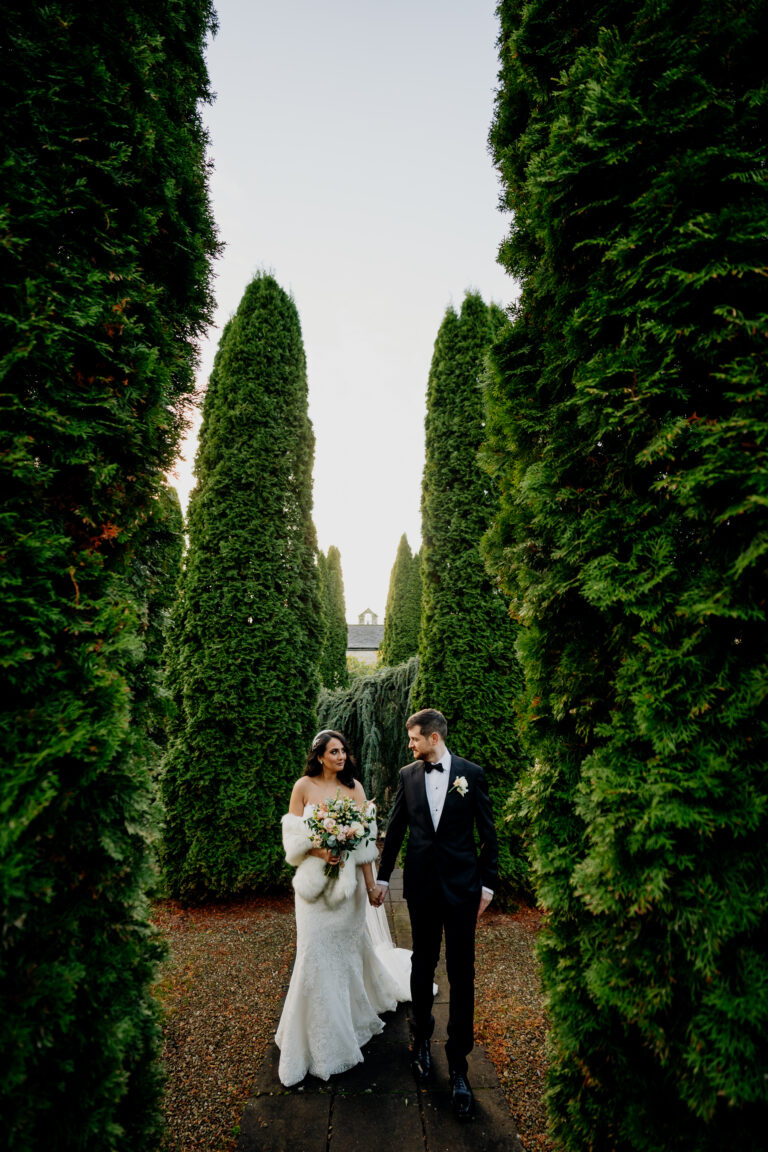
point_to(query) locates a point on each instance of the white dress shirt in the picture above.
(437, 787)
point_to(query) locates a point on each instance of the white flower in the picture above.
(461, 785)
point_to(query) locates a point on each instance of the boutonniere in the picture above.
(460, 785)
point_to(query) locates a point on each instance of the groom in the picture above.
(441, 799)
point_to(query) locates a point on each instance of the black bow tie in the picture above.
(429, 766)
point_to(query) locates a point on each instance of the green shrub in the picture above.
(155, 572)
(402, 620)
(245, 637)
(333, 657)
(372, 713)
(468, 666)
(104, 289)
(628, 426)
(357, 668)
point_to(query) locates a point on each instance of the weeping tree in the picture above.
(371, 713)
(402, 620)
(104, 289)
(468, 668)
(628, 427)
(333, 657)
(246, 631)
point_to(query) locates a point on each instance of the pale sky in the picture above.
(349, 140)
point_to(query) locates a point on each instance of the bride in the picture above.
(341, 977)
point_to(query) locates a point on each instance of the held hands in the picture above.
(485, 900)
(376, 895)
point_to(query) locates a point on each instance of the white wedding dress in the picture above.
(340, 980)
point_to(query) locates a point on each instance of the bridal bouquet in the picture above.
(340, 825)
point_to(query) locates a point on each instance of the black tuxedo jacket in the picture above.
(444, 857)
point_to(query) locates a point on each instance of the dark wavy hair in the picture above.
(319, 745)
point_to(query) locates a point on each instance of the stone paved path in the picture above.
(376, 1106)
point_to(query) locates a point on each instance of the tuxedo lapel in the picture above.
(419, 786)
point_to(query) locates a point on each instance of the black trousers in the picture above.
(431, 915)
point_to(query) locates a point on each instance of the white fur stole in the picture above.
(310, 881)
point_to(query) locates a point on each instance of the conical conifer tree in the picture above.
(402, 620)
(468, 668)
(246, 633)
(628, 426)
(333, 660)
(412, 610)
(155, 571)
(104, 290)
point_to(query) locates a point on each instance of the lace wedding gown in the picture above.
(340, 983)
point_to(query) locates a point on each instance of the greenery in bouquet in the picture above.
(340, 825)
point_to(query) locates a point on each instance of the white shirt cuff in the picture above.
(486, 891)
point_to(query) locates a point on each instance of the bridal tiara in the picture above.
(319, 738)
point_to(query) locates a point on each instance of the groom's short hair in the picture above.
(429, 720)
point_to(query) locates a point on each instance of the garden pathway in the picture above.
(377, 1106)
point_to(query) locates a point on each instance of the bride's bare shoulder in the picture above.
(299, 796)
(358, 793)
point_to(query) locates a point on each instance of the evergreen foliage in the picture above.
(627, 432)
(246, 632)
(468, 667)
(104, 287)
(333, 658)
(402, 619)
(357, 668)
(372, 713)
(155, 570)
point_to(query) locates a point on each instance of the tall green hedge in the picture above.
(104, 288)
(155, 571)
(372, 713)
(628, 428)
(247, 628)
(333, 656)
(402, 619)
(468, 667)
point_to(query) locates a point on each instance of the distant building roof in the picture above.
(364, 636)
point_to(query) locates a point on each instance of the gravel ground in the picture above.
(222, 988)
(509, 1017)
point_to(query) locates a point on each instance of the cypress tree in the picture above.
(628, 430)
(246, 632)
(104, 288)
(402, 619)
(333, 659)
(468, 667)
(412, 610)
(156, 567)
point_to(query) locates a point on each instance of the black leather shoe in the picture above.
(461, 1097)
(421, 1061)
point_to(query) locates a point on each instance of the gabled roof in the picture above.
(364, 636)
